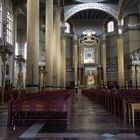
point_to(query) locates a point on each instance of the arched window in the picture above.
(9, 28)
(0, 19)
(110, 26)
(122, 22)
(67, 25)
(16, 49)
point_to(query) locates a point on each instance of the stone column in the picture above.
(32, 74)
(15, 40)
(139, 10)
(138, 76)
(133, 76)
(49, 40)
(57, 45)
(63, 61)
(79, 75)
(120, 61)
(138, 72)
(75, 58)
(139, 7)
(104, 59)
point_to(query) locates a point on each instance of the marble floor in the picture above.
(89, 121)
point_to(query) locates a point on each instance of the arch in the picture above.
(130, 14)
(97, 6)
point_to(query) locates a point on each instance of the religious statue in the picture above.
(5, 54)
(20, 61)
(90, 78)
(20, 79)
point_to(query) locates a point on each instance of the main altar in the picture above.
(89, 59)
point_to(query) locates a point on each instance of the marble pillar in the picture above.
(49, 43)
(57, 46)
(15, 41)
(120, 61)
(139, 10)
(104, 59)
(63, 61)
(133, 76)
(32, 72)
(75, 58)
(138, 76)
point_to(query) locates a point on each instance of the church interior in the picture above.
(70, 69)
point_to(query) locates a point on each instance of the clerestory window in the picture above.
(110, 26)
(9, 27)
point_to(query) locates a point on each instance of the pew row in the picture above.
(119, 104)
(46, 107)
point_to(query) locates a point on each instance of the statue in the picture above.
(20, 79)
(20, 61)
(90, 78)
(5, 53)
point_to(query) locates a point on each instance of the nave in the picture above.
(89, 121)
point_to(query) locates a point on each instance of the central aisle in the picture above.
(90, 121)
(89, 116)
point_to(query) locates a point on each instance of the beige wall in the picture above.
(111, 49)
(132, 19)
(132, 39)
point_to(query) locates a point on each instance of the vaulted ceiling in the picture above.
(90, 15)
(94, 14)
(85, 14)
(68, 2)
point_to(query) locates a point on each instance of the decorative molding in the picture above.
(90, 0)
(89, 38)
(86, 6)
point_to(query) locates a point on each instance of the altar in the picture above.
(89, 68)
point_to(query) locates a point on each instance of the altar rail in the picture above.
(49, 107)
(116, 103)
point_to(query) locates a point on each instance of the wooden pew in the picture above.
(48, 107)
(119, 104)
